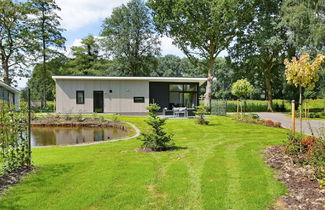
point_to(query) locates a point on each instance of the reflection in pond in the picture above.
(44, 136)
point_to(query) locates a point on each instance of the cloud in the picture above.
(167, 47)
(76, 14)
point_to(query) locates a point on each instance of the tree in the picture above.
(242, 88)
(201, 29)
(54, 67)
(224, 75)
(157, 139)
(129, 37)
(305, 23)
(86, 59)
(15, 39)
(169, 66)
(260, 48)
(303, 74)
(47, 34)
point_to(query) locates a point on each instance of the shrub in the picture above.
(308, 151)
(14, 151)
(201, 112)
(269, 123)
(156, 138)
(277, 124)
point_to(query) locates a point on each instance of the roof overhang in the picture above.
(150, 79)
(12, 89)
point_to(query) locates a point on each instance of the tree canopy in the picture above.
(201, 29)
(129, 37)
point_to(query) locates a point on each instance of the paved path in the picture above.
(316, 125)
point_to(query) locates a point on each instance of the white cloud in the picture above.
(167, 47)
(76, 14)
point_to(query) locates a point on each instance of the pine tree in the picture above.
(48, 35)
(157, 138)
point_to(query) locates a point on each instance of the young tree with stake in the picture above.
(303, 73)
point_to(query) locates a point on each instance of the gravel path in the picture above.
(286, 122)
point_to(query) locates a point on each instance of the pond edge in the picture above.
(137, 133)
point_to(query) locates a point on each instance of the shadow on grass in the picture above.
(147, 149)
(37, 180)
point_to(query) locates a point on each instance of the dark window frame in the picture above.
(83, 97)
(183, 91)
(138, 97)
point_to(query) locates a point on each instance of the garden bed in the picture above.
(56, 121)
(304, 190)
(13, 177)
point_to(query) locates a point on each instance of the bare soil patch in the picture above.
(304, 189)
(13, 178)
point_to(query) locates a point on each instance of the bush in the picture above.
(14, 151)
(156, 139)
(201, 112)
(308, 151)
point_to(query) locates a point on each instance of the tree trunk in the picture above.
(268, 91)
(5, 68)
(300, 108)
(208, 91)
(43, 101)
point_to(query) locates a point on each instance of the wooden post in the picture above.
(293, 117)
(29, 130)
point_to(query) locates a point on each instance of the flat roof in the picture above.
(2, 84)
(150, 79)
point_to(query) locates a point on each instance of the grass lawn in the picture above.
(219, 167)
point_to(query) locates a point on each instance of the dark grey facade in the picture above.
(169, 94)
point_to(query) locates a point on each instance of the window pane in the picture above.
(190, 87)
(176, 87)
(138, 99)
(80, 97)
(190, 100)
(175, 99)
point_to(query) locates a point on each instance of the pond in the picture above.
(47, 136)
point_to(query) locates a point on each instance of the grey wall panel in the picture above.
(119, 100)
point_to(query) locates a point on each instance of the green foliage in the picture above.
(35, 83)
(242, 88)
(259, 53)
(129, 37)
(15, 39)
(196, 177)
(308, 151)
(86, 60)
(258, 105)
(201, 29)
(201, 111)
(13, 138)
(304, 23)
(156, 139)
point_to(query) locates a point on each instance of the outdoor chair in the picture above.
(180, 110)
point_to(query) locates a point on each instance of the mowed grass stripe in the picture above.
(212, 170)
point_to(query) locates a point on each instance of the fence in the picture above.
(219, 107)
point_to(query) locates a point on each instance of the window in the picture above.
(80, 97)
(183, 95)
(138, 99)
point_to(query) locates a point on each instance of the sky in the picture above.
(81, 18)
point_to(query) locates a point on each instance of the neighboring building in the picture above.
(8, 94)
(85, 94)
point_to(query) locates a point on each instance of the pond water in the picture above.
(46, 136)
